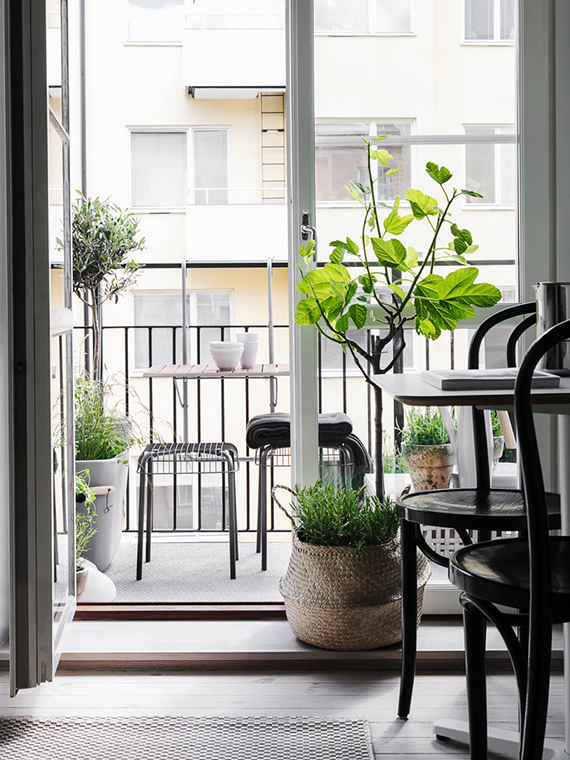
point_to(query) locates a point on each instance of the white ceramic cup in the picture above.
(250, 342)
(226, 354)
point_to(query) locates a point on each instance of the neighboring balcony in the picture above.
(237, 47)
(236, 224)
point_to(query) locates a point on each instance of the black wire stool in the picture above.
(185, 459)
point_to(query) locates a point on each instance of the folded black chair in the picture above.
(270, 434)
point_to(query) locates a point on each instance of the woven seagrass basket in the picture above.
(347, 600)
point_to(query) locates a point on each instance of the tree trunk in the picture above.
(97, 366)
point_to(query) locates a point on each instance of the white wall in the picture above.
(4, 359)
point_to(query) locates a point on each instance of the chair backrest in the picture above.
(533, 481)
(479, 429)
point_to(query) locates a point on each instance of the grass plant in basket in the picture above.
(342, 587)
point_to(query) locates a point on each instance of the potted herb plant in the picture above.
(84, 528)
(390, 284)
(498, 438)
(102, 441)
(342, 588)
(427, 450)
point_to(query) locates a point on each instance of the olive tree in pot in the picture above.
(103, 235)
(427, 450)
(390, 285)
(342, 587)
(102, 440)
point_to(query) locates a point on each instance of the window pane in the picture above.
(340, 158)
(212, 309)
(507, 19)
(211, 165)
(156, 20)
(508, 180)
(388, 187)
(478, 19)
(154, 309)
(341, 15)
(480, 166)
(393, 16)
(158, 169)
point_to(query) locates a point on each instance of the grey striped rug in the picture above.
(184, 738)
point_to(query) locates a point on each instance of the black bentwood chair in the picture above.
(530, 574)
(482, 509)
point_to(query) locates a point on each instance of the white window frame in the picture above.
(372, 24)
(136, 371)
(151, 43)
(498, 167)
(372, 131)
(190, 168)
(496, 39)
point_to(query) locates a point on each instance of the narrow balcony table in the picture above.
(412, 390)
(211, 372)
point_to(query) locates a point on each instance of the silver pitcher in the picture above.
(553, 306)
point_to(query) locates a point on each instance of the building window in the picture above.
(155, 20)
(341, 158)
(491, 166)
(161, 163)
(489, 20)
(364, 16)
(162, 311)
(158, 169)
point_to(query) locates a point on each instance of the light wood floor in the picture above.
(373, 695)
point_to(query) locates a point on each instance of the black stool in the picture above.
(186, 459)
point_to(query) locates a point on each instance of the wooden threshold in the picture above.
(384, 660)
(188, 611)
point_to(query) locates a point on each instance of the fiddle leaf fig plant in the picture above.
(389, 284)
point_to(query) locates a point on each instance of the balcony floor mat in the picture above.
(203, 738)
(198, 572)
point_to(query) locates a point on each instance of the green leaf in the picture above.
(472, 193)
(308, 312)
(411, 258)
(441, 176)
(307, 251)
(342, 324)
(349, 245)
(391, 171)
(359, 314)
(367, 281)
(422, 205)
(337, 255)
(395, 224)
(381, 155)
(397, 290)
(427, 328)
(390, 253)
(472, 248)
(354, 193)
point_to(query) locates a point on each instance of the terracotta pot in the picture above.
(498, 447)
(80, 582)
(430, 466)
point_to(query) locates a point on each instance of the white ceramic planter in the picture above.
(110, 508)
(226, 354)
(250, 342)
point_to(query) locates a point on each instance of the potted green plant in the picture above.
(84, 528)
(427, 450)
(103, 235)
(342, 588)
(102, 440)
(498, 438)
(390, 283)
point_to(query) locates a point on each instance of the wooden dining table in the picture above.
(411, 390)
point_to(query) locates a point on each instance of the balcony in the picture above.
(235, 50)
(244, 216)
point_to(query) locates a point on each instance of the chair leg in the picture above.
(142, 486)
(475, 627)
(258, 536)
(149, 509)
(409, 615)
(540, 646)
(232, 517)
(262, 524)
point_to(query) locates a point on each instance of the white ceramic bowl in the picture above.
(248, 337)
(226, 354)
